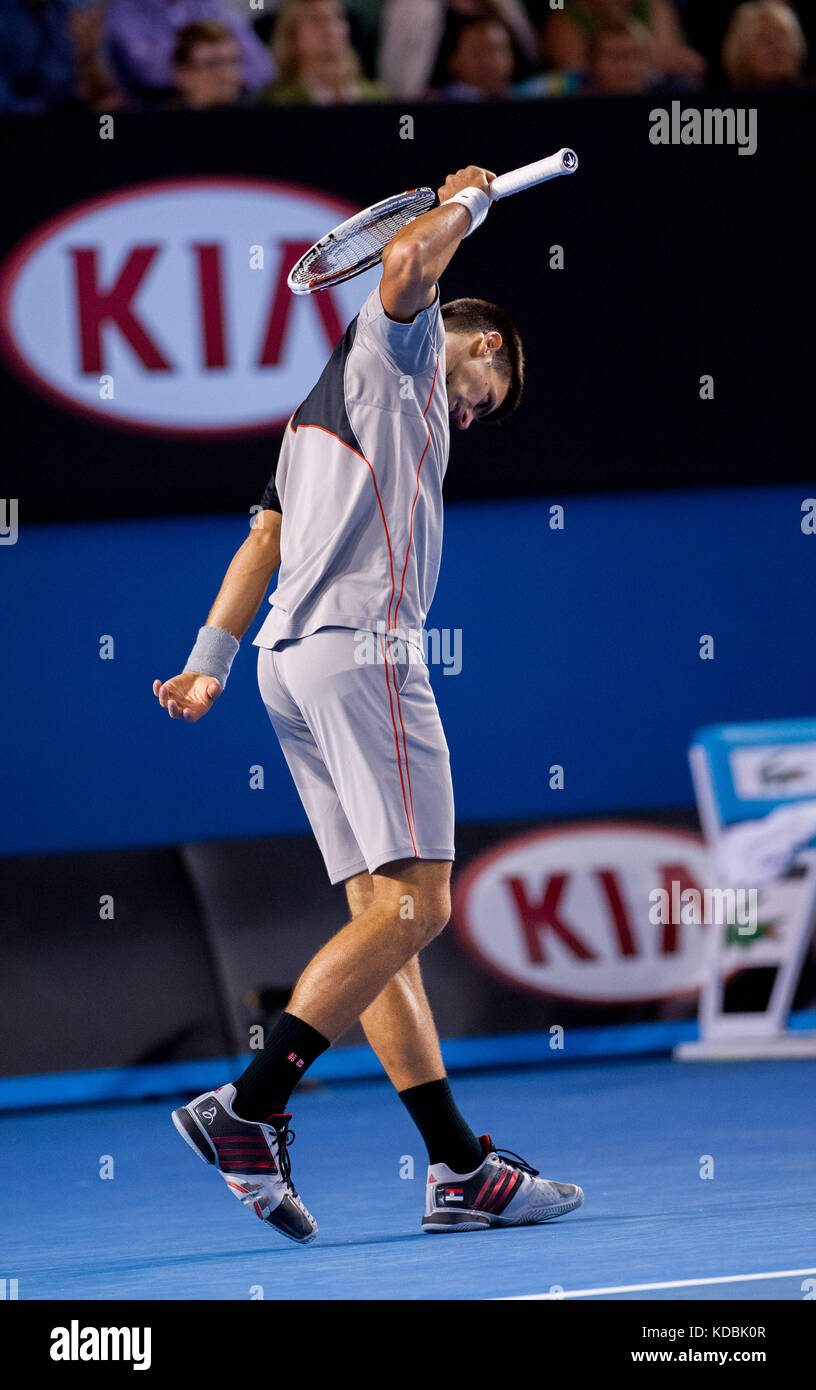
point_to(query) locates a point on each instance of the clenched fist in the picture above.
(472, 177)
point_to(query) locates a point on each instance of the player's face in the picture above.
(475, 388)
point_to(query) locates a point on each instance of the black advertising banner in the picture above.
(151, 352)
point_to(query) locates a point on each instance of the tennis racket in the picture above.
(358, 243)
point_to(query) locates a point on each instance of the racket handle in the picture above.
(564, 162)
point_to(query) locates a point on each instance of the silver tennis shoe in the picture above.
(252, 1158)
(503, 1191)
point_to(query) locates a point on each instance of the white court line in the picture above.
(642, 1288)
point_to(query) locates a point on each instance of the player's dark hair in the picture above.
(478, 316)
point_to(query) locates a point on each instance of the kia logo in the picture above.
(565, 913)
(165, 307)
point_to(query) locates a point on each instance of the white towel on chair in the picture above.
(755, 851)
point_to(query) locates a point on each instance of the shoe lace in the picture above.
(514, 1161)
(285, 1138)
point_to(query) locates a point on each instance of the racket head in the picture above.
(358, 243)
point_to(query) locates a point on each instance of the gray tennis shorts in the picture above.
(365, 746)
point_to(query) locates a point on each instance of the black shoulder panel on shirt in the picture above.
(325, 405)
(270, 502)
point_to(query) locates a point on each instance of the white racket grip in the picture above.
(564, 162)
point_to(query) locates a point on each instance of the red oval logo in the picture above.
(568, 913)
(164, 307)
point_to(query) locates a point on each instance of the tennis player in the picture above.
(353, 516)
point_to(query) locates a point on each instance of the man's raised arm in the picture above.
(191, 694)
(414, 259)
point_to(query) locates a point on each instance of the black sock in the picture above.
(271, 1077)
(448, 1138)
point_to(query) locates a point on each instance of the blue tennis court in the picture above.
(635, 1136)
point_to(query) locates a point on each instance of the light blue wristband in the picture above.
(213, 653)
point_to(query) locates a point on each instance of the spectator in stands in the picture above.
(706, 21)
(764, 46)
(316, 60)
(141, 38)
(207, 66)
(567, 36)
(94, 81)
(36, 58)
(620, 60)
(417, 38)
(481, 63)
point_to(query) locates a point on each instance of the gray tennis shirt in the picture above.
(359, 483)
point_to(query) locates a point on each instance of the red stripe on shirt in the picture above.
(405, 569)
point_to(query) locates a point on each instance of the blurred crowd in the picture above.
(144, 54)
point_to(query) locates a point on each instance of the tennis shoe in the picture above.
(252, 1158)
(502, 1191)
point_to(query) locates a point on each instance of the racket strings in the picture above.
(361, 243)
